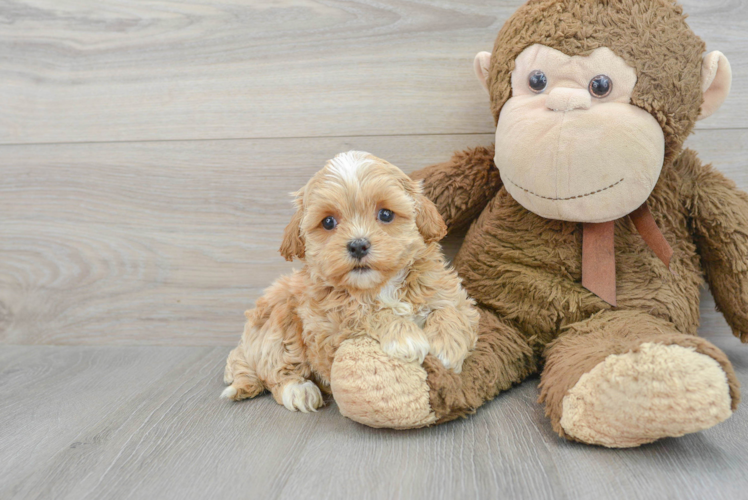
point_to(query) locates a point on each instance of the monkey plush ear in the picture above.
(481, 64)
(293, 244)
(716, 78)
(430, 223)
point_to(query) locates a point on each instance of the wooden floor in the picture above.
(146, 154)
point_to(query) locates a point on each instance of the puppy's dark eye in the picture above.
(385, 215)
(601, 86)
(329, 223)
(537, 81)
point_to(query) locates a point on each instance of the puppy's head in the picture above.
(359, 221)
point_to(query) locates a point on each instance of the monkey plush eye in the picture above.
(600, 86)
(537, 81)
(385, 215)
(329, 223)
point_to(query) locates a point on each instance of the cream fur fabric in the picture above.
(379, 391)
(639, 397)
(716, 79)
(564, 154)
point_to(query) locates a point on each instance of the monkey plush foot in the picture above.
(638, 397)
(377, 390)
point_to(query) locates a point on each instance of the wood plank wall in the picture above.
(147, 148)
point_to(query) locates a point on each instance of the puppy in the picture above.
(368, 238)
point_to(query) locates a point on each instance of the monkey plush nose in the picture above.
(565, 99)
(358, 248)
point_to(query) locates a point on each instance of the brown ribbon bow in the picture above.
(598, 252)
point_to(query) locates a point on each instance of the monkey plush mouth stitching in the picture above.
(570, 197)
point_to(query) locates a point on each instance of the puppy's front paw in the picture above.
(303, 397)
(405, 340)
(452, 335)
(450, 351)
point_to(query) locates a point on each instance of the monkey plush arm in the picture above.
(462, 187)
(720, 222)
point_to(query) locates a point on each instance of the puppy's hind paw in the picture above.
(303, 397)
(243, 387)
(229, 392)
(228, 376)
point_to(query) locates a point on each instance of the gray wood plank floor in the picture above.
(146, 154)
(145, 422)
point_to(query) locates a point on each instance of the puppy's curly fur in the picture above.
(394, 287)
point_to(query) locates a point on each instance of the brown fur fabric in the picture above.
(720, 232)
(525, 271)
(501, 358)
(469, 180)
(658, 44)
(586, 344)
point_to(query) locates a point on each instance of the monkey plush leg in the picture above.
(624, 378)
(377, 390)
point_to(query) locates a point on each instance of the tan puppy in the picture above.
(373, 267)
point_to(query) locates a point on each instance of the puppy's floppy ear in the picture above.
(429, 222)
(293, 244)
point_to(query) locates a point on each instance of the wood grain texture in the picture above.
(146, 153)
(155, 242)
(145, 422)
(169, 242)
(197, 69)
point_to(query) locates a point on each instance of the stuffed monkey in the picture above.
(591, 230)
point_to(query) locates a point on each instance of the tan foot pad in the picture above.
(377, 390)
(639, 397)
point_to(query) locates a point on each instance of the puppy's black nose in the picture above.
(359, 248)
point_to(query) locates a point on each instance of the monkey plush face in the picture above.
(569, 144)
(588, 115)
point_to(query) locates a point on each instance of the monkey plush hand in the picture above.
(591, 229)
